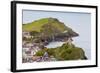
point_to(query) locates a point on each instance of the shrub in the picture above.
(40, 53)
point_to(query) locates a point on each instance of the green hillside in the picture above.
(64, 52)
(37, 24)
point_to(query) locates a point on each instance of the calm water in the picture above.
(54, 44)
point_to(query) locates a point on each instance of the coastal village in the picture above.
(30, 49)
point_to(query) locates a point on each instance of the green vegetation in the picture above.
(65, 52)
(34, 33)
(37, 25)
(40, 53)
(69, 53)
(47, 29)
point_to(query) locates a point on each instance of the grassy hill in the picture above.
(37, 24)
(64, 52)
(48, 29)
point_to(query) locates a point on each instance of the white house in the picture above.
(26, 34)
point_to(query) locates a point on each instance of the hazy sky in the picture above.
(79, 22)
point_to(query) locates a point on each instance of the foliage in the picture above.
(65, 52)
(34, 33)
(35, 25)
(38, 24)
(69, 52)
(40, 53)
(49, 31)
(50, 51)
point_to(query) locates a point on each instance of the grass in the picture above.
(36, 25)
(65, 52)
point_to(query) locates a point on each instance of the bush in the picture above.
(51, 51)
(40, 53)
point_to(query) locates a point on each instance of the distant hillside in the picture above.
(49, 28)
(36, 25)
